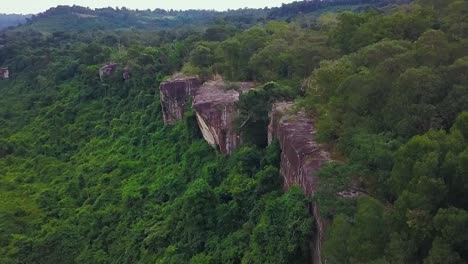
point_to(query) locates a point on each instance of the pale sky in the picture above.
(36, 6)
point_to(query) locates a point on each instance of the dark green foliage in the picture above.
(282, 235)
(300, 7)
(254, 107)
(90, 174)
(395, 108)
(217, 25)
(276, 51)
(355, 31)
(81, 18)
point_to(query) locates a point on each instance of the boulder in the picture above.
(107, 70)
(215, 108)
(175, 95)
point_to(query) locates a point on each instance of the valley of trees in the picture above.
(90, 174)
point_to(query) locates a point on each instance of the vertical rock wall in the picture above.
(301, 158)
(215, 107)
(175, 95)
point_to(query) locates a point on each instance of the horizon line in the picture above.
(136, 9)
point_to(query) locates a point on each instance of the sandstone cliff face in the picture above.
(215, 109)
(175, 95)
(301, 158)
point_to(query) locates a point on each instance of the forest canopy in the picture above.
(89, 173)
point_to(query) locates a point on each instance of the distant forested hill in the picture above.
(304, 7)
(77, 18)
(7, 20)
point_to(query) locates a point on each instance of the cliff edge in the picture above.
(215, 108)
(301, 158)
(175, 95)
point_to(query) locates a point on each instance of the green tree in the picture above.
(368, 236)
(336, 246)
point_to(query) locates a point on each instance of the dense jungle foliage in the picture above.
(90, 174)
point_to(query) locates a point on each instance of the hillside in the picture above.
(298, 134)
(80, 19)
(11, 20)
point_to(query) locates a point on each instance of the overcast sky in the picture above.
(36, 6)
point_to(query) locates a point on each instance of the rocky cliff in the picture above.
(175, 95)
(215, 108)
(301, 158)
(214, 104)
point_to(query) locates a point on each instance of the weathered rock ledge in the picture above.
(301, 157)
(215, 107)
(175, 95)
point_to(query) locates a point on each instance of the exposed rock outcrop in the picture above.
(110, 68)
(301, 158)
(215, 107)
(107, 70)
(214, 104)
(4, 73)
(175, 95)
